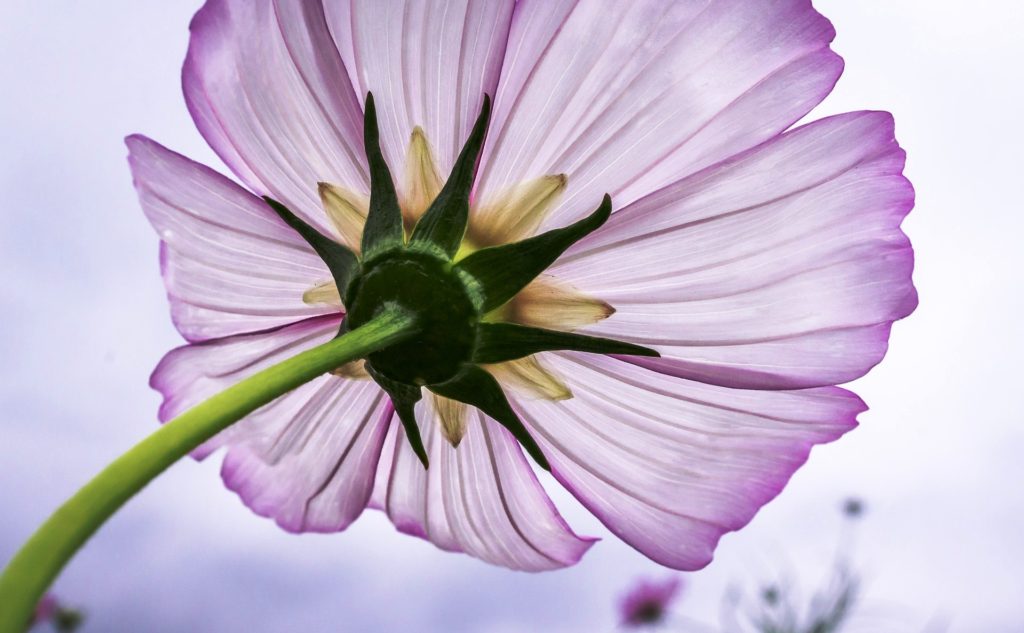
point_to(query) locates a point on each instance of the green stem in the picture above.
(42, 557)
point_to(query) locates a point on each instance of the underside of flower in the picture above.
(458, 284)
(764, 262)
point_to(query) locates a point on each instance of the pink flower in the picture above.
(648, 601)
(765, 265)
(46, 609)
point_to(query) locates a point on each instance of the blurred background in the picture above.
(83, 320)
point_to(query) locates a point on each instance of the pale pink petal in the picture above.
(669, 465)
(481, 498)
(307, 459)
(315, 473)
(625, 97)
(190, 374)
(428, 64)
(229, 263)
(781, 268)
(269, 92)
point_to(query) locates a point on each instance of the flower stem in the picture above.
(42, 557)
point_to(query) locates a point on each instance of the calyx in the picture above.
(449, 298)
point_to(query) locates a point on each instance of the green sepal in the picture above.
(343, 263)
(383, 229)
(407, 414)
(477, 388)
(500, 342)
(497, 273)
(404, 397)
(444, 224)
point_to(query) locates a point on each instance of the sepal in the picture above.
(476, 387)
(404, 397)
(343, 263)
(497, 273)
(444, 224)
(500, 342)
(383, 230)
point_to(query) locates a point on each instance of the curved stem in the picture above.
(42, 557)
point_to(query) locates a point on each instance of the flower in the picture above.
(46, 609)
(647, 602)
(779, 610)
(765, 265)
(853, 508)
(50, 610)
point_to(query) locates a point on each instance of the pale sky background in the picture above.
(83, 320)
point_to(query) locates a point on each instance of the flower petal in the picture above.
(482, 498)
(421, 182)
(317, 473)
(782, 268)
(451, 414)
(516, 214)
(324, 293)
(190, 374)
(625, 97)
(307, 459)
(549, 303)
(530, 378)
(428, 64)
(346, 211)
(269, 92)
(229, 263)
(669, 465)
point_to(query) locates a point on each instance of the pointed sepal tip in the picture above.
(444, 224)
(342, 262)
(383, 229)
(501, 342)
(497, 273)
(477, 388)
